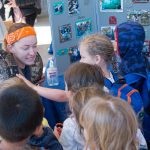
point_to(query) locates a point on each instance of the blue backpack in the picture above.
(121, 89)
(142, 83)
(144, 89)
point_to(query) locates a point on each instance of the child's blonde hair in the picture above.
(98, 44)
(81, 97)
(110, 124)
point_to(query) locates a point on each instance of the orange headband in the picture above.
(19, 34)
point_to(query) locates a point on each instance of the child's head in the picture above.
(109, 123)
(96, 49)
(130, 37)
(81, 75)
(21, 111)
(81, 97)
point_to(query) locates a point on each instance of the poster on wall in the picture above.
(142, 17)
(83, 27)
(108, 31)
(111, 5)
(58, 8)
(65, 33)
(73, 7)
(74, 54)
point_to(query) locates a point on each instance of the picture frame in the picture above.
(108, 31)
(111, 5)
(142, 17)
(58, 8)
(74, 54)
(62, 52)
(112, 20)
(65, 33)
(83, 27)
(73, 7)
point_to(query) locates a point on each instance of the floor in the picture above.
(43, 31)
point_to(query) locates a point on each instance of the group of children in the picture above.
(98, 121)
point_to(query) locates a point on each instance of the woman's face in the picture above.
(85, 56)
(25, 50)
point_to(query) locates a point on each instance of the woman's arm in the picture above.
(52, 94)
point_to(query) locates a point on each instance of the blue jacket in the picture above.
(47, 140)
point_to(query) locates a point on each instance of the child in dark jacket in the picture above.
(130, 37)
(21, 115)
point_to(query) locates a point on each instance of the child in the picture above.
(109, 124)
(71, 137)
(21, 114)
(98, 50)
(130, 37)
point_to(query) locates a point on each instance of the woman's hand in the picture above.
(26, 81)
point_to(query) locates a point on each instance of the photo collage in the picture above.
(141, 16)
(82, 27)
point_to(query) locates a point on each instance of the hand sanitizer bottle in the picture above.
(52, 73)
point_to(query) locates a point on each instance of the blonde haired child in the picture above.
(109, 124)
(97, 49)
(71, 137)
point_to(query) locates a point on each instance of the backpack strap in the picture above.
(122, 87)
(129, 95)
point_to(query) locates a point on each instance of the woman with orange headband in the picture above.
(20, 55)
